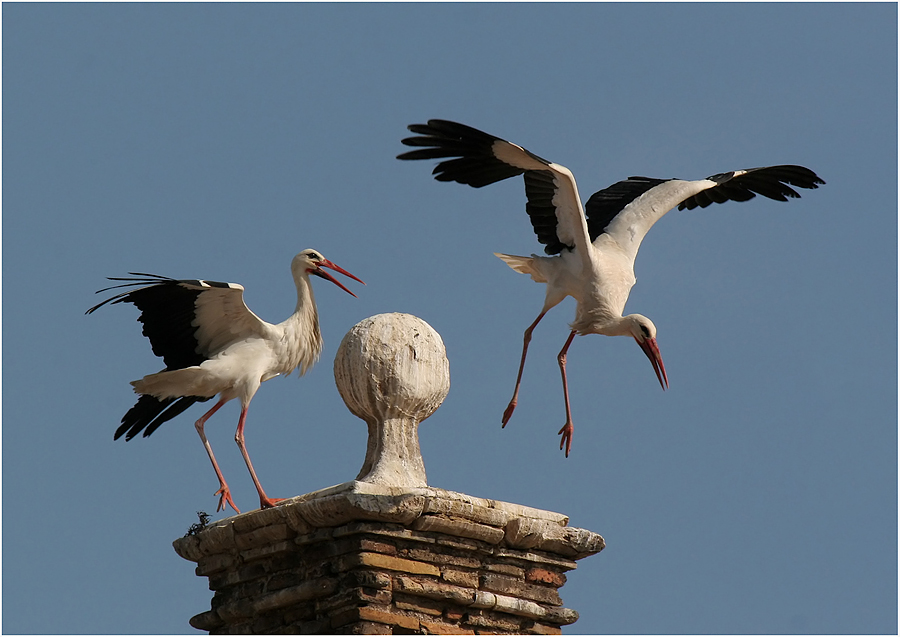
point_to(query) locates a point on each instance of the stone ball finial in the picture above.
(392, 371)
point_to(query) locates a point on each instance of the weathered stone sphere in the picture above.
(392, 365)
(392, 371)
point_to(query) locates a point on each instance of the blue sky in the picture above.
(757, 495)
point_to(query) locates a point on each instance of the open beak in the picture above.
(325, 263)
(652, 351)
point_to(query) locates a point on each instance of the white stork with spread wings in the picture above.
(213, 344)
(594, 246)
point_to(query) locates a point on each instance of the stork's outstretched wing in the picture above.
(187, 321)
(479, 159)
(628, 209)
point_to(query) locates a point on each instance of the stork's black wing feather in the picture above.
(167, 313)
(471, 160)
(773, 182)
(149, 413)
(605, 204)
(474, 161)
(540, 189)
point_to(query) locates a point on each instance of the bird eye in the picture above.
(645, 331)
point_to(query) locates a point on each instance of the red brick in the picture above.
(419, 605)
(377, 547)
(494, 621)
(543, 629)
(385, 617)
(440, 628)
(430, 555)
(386, 562)
(507, 569)
(516, 588)
(368, 628)
(544, 576)
(263, 536)
(433, 589)
(469, 579)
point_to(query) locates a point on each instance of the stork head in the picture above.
(311, 262)
(644, 332)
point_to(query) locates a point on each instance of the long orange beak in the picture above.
(328, 264)
(651, 349)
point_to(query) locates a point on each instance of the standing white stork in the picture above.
(213, 344)
(595, 246)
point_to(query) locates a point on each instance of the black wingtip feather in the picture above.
(150, 412)
(468, 153)
(136, 279)
(167, 313)
(773, 182)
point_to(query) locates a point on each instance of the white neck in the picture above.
(618, 326)
(302, 327)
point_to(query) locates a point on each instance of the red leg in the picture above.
(223, 491)
(568, 428)
(265, 502)
(515, 399)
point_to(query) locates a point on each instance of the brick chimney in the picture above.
(386, 553)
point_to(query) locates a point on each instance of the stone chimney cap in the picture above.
(497, 523)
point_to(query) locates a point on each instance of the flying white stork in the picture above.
(213, 344)
(594, 246)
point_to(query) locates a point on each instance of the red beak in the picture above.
(652, 351)
(325, 263)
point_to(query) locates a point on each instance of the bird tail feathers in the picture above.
(174, 383)
(525, 265)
